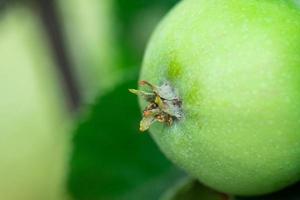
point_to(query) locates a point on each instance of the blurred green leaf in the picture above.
(191, 189)
(289, 193)
(137, 20)
(111, 159)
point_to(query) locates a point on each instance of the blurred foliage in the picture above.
(136, 21)
(111, 160)
(89, 29)
(289, 193)
(34, 146)
(191, 189)
(105, 38)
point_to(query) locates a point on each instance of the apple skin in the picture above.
(236, 67)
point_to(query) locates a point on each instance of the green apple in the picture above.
(235, 65)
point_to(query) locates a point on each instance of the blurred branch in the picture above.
(50, 19)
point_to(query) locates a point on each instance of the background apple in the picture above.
(236, 66)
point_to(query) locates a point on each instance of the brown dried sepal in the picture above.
(164, 105)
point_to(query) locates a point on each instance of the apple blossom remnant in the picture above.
(164, 105)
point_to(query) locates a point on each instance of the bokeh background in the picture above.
(68, 126)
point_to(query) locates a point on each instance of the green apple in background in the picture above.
(34, 123)
(236, 67)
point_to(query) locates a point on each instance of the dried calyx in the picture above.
(164, 104)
